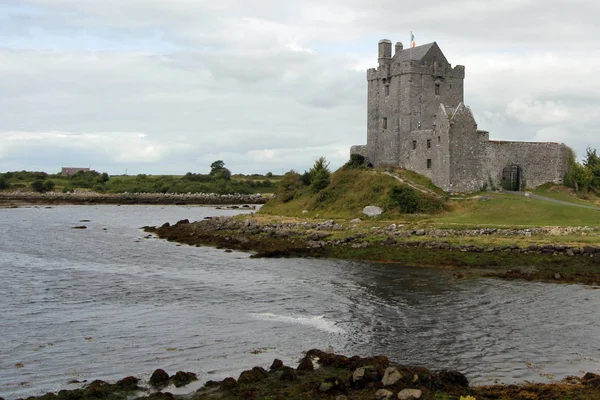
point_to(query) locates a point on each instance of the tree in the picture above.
(41, 186)
(218, 171)
(319, 174)
(216, 166)
(3, 183)
(288, 186)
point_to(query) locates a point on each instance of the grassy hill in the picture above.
(350, 190)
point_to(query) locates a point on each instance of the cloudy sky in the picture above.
(167, 87)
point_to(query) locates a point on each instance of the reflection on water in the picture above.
(107, 302)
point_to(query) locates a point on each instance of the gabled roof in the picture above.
(414, 53)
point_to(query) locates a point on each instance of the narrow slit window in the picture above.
(437, 89)
(387, 90)
(439, 139)
(428, 143)
(414, 144)
(384, 122)
(429, 163)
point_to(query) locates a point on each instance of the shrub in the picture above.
(409, 201)
(356, 161)
(289, 186)
(41, 186)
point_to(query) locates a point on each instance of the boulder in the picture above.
(306, 365)
(408, 394)
(288, 374)
(383, 394)
(182, 378)
(128, 383)
(255, 374)
(277, 365)
(372, 211)
(356, 221)
(159, 379)
(391, 376)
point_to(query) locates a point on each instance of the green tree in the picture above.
(218, 171)
(41, 186)
(319, 174)
(288, 187)
(3, 183)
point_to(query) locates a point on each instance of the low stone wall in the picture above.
(131, 198)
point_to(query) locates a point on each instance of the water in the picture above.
(107, 302)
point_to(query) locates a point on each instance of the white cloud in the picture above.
(170, 86)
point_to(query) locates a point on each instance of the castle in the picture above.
(417, 120)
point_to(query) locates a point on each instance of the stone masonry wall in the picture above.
(539, 162)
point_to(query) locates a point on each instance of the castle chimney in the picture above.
(385, 51)
(399, 47)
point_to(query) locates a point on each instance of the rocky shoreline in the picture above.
(323, 375)
(396, 243)
(8, 199)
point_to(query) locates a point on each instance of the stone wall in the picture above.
(539, 162)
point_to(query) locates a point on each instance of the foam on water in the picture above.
(316, 321)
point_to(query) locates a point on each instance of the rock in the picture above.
(372, 211)
(228, 383)
(408, 394)
(591, 379)
(362, 376)
(305, 365)
(325, 386)
(557, 276)
(356, 221)
(276, 366)
(449, 378)
(159, 378)
(182, 378)
(589, 250)
(383, 394)
(570, 253)
(79, 227)
(304, 211)
(391, 376)
(255, 374)
(183, 222)
(288, 374)
(128, 383)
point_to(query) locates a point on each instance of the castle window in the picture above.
(439, 139)
(414, 144)
(428, 143)
(429, 163)
(437, 89)
(387, 90)
(384, 123)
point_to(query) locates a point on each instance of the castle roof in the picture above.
(416, 53)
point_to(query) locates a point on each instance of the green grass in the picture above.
(349, 191)
(559, 192)
(513, 210)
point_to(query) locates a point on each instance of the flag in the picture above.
(412, 40)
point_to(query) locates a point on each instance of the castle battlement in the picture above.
(417, 119)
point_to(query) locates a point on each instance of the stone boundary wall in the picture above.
(132, 198)
(540, 162)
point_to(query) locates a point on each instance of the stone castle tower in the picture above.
(417, 120)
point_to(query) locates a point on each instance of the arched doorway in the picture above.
(511, 178)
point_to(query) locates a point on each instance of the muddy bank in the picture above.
(322, 375)
(11, 199)
(544, 262)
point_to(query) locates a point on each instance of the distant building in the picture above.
(417, 120)
(69, 171)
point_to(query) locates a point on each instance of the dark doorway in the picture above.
(511, 178)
